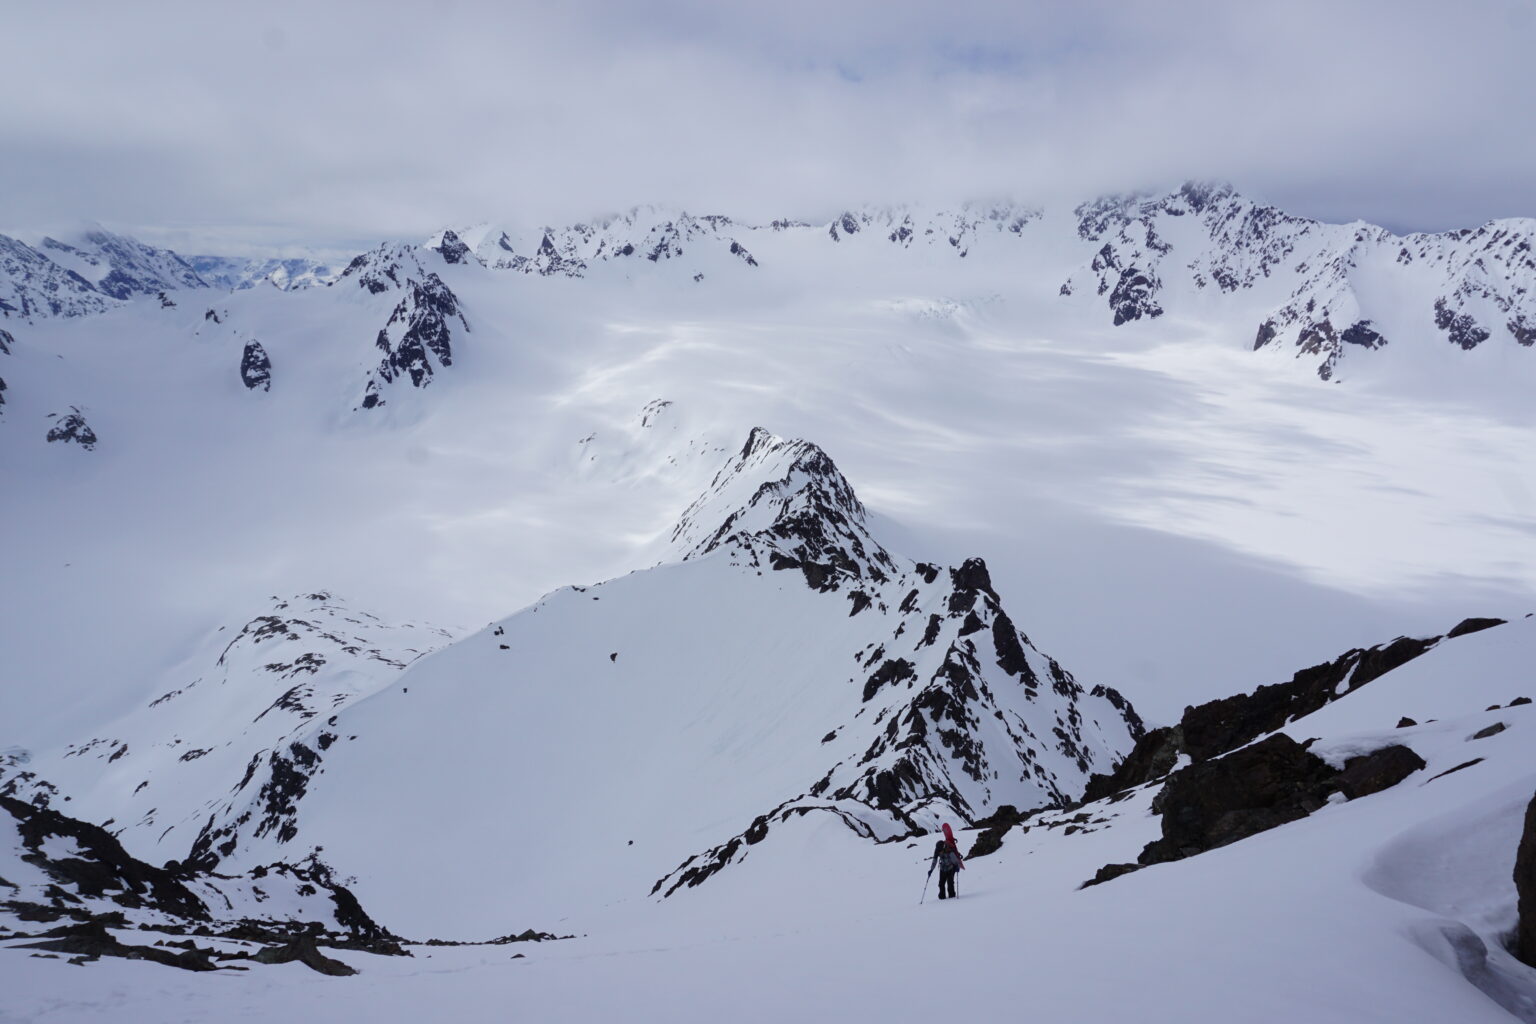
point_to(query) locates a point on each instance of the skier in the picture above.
(948, 860)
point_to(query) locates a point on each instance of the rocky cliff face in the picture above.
(418, 339)
(1525, 888)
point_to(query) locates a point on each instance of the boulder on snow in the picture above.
(303, 949)
(1525, 887)
(1251, 790)
(1378, 770)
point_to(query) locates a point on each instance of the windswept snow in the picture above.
(1091, 465)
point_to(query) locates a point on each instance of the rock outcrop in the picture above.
(1380, 769)
(1215, 727)
(256, 367)
(960, 716)
(418, 339)
(1208, 805)
(71, 428)
(89, 882)
(1525, 887)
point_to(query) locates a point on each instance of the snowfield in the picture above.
(664, 581)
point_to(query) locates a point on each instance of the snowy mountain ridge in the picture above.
(914, 700)
(1321, 292)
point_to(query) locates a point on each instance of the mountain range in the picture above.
(792, 543)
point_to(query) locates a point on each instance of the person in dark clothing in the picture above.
(948, 862)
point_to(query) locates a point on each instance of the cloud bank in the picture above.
(286, 122)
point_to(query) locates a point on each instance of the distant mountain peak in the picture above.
(789, 497)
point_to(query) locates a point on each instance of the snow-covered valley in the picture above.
(666, 581)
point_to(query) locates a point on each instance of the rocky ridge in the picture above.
(960, 713)
(1475, 283)
(417, 340)
(90, 274)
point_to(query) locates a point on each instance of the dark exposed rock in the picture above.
(1221, 725)
(1492, 730)
(1360, 333)
(71, 427)
(104, 866)
(1462, 330)
(453, 249)
(304, 950)
(1109, 872)
(90, 940)
(892, 671)
(1153, 757)
(6, 341)
(1378, 770)
(739, 251)
(1524, 945)
(419, 331)
(1267, 332)
(1466, 626)
(256, 367)
(1524, 332)
(1217, 802)
(1406, 723)
(1452, 771)
(993, 827)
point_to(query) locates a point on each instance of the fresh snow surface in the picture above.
(1223, 514)
(1366, 911)
(1162, 509)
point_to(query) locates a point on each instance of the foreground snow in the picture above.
(1365, 911)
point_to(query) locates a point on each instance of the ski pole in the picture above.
(926, 878)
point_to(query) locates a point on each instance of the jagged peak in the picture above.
(789, 497)
(387, 267)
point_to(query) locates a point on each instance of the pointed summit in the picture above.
(787, 500)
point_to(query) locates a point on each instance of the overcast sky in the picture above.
(211, 125)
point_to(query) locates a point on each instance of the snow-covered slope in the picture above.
(86, 274)
(719, 763)
(231, 744)
(1319, 292)
(1330, 289)
(787, 662)
(1390, 907)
